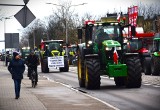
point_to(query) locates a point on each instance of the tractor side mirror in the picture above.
(79, 33)
(133, 31)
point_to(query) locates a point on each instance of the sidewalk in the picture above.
(47, 95)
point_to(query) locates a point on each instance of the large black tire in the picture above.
(80, 70)
(45, 66)
(66, 66)
(147, 65)
(42, 66)
(92, 74)
(134, 78)
(119, 81)
(155, 65)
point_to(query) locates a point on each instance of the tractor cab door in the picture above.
(156, 46)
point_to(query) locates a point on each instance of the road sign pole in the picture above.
(25, 12)
(24, 15)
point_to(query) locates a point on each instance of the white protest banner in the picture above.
(56, 61)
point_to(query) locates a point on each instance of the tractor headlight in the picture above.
(125, 41)
(108, 48)
(118, 48)
(89, 43)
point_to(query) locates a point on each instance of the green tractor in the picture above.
(25, 51)
(105, 53)
(53, 56)
(155, 59)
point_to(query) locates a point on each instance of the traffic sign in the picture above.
(11, 40)
(25, 16)
(25, 1)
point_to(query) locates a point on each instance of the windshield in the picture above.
(157, 45)
(106, 32)
(135, 44)
(25, 50)
(53, 46)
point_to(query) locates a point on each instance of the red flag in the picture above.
(115, 56)
(119, 17)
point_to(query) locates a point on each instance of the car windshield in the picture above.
(106, 32)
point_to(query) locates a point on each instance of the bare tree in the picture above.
(148, 11)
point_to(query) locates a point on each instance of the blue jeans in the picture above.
(17, 86)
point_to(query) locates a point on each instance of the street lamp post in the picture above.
(6, 63)
(66, 12)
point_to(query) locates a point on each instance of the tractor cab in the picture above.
(52, 56)
(25, 51)
(52, 47)
(106, 32)
(156, 43)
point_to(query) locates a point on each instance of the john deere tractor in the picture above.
(53, 56)
(155, 60)
(105, 52)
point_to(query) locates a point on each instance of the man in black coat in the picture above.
(32, 62)
(17, 68)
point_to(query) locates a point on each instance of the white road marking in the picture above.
(70, 87)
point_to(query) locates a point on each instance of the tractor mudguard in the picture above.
(80, 49)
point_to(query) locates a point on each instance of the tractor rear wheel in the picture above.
(119, 81)
(80, 69)
(92, 74)
(155, 65)
(134, 78)
(147, 66)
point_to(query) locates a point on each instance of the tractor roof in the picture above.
(48, 41)
(157, 36)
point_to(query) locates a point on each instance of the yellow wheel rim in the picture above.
(86, 73)
(79, 67)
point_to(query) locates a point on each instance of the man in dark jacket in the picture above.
(17, 68)
(32, 62)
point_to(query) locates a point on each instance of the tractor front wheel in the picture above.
(92, 74)
(80, 69)
(147, 66)
(66, 66)
(134, 78)
(155, 66)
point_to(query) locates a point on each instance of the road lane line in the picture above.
(70, 87)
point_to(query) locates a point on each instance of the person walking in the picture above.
(32, 61)
(16, 68)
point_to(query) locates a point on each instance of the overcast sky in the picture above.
(40, 9)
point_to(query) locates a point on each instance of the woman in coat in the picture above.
(17, 68)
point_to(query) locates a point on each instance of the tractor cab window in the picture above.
(157, 45)
(105, 33)
(53, 46)
(135, 44)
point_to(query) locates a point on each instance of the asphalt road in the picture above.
(145, 98)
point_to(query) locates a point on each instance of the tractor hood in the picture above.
(111, 43)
